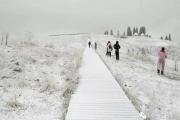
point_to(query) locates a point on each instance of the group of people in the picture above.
(95, 45)
(162, 55)
(116, 47)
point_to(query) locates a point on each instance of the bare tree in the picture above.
(175, 63)
(2, 39)
(7, 36)
(111, 32)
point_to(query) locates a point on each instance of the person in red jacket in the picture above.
(161, 61)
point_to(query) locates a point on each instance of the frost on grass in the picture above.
(38, 77)
(156, 97)
(13, 103)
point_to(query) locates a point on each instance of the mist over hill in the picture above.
(69, 16)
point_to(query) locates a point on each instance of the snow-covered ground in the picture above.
(98, 96)
(37, 77)
(156, 96)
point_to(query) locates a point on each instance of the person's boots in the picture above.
(162, 72)
(158, 71)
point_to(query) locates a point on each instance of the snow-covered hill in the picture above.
(37, 77)
(157, 96)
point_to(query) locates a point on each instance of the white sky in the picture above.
(62, 16)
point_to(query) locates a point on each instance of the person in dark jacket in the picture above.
(95, 45)
(89, 43)
(117, 47)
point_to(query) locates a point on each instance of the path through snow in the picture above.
(99, 97)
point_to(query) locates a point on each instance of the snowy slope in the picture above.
(98, 96)
(156, 96)
(37, 77)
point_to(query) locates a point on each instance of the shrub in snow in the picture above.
(22, 84)
(14, 103)
(17, 69)
(49, 85)
(69, 87)
(77, 62)
(143, 116)
(49, 46)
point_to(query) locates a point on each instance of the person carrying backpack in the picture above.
(161, 61)
(117, 47)
(109, 49)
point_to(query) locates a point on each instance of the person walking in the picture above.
(89, 43)
(161, 61)
(109, 49)
(117, 47)
(95, 46)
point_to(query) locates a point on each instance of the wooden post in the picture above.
(7, 36)
(2, 40)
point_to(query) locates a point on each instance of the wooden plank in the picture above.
(99, 97)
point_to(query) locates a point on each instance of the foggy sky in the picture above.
(64, 16)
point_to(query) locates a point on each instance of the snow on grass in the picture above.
(156, 96)
(37, 77)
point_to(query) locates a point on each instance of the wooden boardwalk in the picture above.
(99, 97)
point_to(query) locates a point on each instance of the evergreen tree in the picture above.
(166, 38)
(142, 30)
(129, 32)
(111, 32)
(161, 38)
(134, 30)
(124, 34)
(169, 37)
(105, 33)
(137, 31)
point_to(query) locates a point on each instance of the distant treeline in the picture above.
(167, 37)
(130, 31)
(135, 31)
(70, 34)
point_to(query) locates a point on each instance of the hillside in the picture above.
(37, 77)
(156, 96)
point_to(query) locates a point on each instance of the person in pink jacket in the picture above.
(161, 61)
